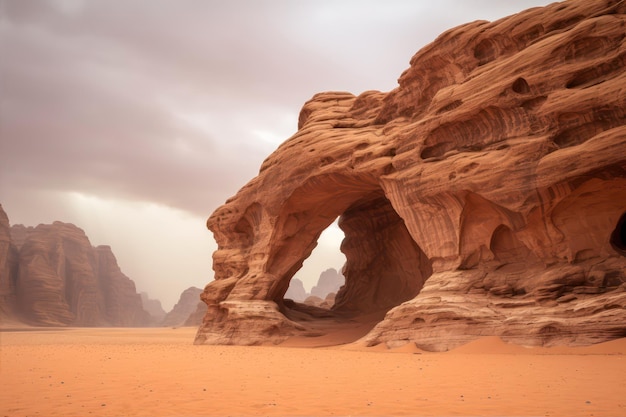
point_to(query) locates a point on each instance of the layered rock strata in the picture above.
(485, 195)
(55, 277)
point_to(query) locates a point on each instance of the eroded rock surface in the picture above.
(55, 277)
(485, 195)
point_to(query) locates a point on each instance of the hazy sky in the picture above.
(135, 119)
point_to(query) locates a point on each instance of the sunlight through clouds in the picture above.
(179, 243)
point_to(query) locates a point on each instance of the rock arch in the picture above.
(262, 252)
(457, 170)
(384, 266)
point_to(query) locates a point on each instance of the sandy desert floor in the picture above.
(159, 372)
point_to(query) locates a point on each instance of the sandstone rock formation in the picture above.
(56, 278)
(195, 318)
(296, 290)
(485, 195)
(186, 306)
(153, 307)
(326, 302)
(330, 281)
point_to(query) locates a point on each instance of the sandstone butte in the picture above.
(485, 195)
(50, 275)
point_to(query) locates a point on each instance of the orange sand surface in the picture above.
(159, 372)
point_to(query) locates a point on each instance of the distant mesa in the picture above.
(484, 196)
(50, 275)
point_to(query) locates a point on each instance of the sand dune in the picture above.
(158, 372)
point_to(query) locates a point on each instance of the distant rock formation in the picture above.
(296, 290)
(153, 307)
(185, 307)
(52, 276)
(8, 270)
(330, 281)
(195, 318)
(485, 195)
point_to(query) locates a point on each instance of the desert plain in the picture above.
(160, 372)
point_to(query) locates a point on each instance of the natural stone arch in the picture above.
(384, 266)
(549, 167)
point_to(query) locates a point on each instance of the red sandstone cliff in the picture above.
(52, 276)
(485, 195)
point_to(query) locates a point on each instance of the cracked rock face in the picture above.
(485, 195)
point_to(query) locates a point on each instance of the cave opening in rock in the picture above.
(618, 237)
(384, 266)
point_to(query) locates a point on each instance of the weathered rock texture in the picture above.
(187, 304)
(55, 277)
(485, 195)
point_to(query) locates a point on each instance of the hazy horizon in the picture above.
(136, 120)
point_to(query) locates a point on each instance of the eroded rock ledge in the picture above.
(485, 195)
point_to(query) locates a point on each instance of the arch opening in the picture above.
(320, 277)
(384, 267)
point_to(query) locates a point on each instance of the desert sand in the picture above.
(159, 372)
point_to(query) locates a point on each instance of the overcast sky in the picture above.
(135, 119)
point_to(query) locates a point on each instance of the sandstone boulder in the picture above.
(485, 195)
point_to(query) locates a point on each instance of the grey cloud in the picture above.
(95, 93)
